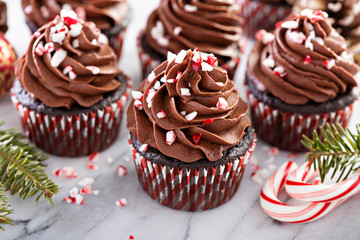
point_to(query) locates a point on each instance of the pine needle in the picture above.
(339, 151)
(5, 209)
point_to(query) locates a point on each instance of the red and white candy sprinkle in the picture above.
(121, 203)
(206, 67)
(95, 192)
(268, 38)
(75, 43)
(92, 166)
(185, 92)
(180, 56)
(49, 47)
(157, 85)
(94, 157)
(73, 192)
(191, 116)
(69, 172)
(143, 147)
(161, 114)
(151, 76)
(79, 199)
(58, 37)
(222, 104)
(279, 71)
(274, 151)
(86, 181)
(269, 62)
(138, 104)
(177, 30)
(39, 50)
(94, 70)
(307, 59)
(67, 69)
(290, 24)
(69, 199)
(58, 57)
(190, 8)
(121, 170)
(86, 190)
(297, 37)
(75, 29)
(329, 63)
(170, 56)
(137, 95)
(109, 160)
(170, 137)
(72, 75)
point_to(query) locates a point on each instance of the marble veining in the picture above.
(100, 218)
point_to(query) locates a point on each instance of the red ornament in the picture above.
(208, 121)
(196, 138)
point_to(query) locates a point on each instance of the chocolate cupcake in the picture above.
(300, 77)
(263, 14)
(110, 16)
(210, 26)
(69, 94)
(344, 16)
(189, 133)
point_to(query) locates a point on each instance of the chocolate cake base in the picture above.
(230, 154)
(26, 100)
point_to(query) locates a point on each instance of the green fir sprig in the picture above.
(22, 170)
(5, 208)
(334, 150)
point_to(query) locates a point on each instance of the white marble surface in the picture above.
(99, 218)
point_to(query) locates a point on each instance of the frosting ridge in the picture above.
(188, 109)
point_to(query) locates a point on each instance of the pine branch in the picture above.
(5, 208)
(339, 151)
(21, 168)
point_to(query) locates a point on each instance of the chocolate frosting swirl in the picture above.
(68, 63)
(278, 1)
(344, 16)
(104, 13)
(209, 25)
(306, 61)
(188, 125)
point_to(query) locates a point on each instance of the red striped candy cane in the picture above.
(287, 213)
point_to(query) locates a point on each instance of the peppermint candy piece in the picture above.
(58, 57)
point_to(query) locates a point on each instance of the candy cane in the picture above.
(287, 213)
(299, 189)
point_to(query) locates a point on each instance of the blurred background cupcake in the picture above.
(70, 94)
(190, 133)
(344, 16)
(7, 55)
(110, 16)
(263, 14)
(300, 77)
(210, 26)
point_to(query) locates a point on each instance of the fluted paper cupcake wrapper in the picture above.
(261, 15)
(190, 189)
(148, 63)
(285, 129)
(116, 42)
(73, 135)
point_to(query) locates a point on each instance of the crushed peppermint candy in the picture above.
(73, 192)
(297, 37)
(191, 116)
(58, 57)
(121, 203)
(319, 40)
(180, 56)
(161, 114)
(222, 104)
(75, 29)
(157, 85)
(190, 8)
(206, 67)
(40, 49)
(269, 62)
(268, 38)
(290, 24)
(274, 151)
(170, 137)
(163, 79)
(183, 113)
(143, 147)
(86, 190)
(279, 71)
(138, 104)
(196, 138)
(69, 172)
(307, 59)
(92, 166)
(94, 70)
(94, 157)
(211, 59)
(150, 96)
(86, 181)
(151, 76)
(137, 95)
(170, 56)
(69, 199)
(72, 75)
(208, 121)
(67, 69)
(109, 160)
(131, 237)
(95, 192)
(58, 37)
(49, 47)
(185, 91)
(329, 63)
(121, 170)
(177, 30)
(79, 199)
(75, 43)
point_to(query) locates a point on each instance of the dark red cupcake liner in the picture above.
(74, 135)
(148, 63)
(261, 15)
(191, 189)
(285, 129)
